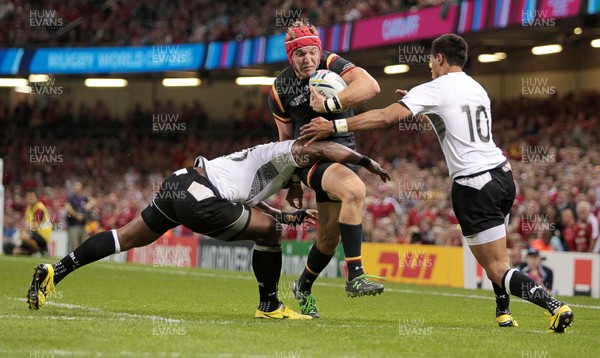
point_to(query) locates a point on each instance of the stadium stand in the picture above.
(413, 208)
(157, 22)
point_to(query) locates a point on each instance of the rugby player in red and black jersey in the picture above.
(339, 191)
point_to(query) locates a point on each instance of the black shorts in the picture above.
(189, 199)
(313, 177)
(483, 201)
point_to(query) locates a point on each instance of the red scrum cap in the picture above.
(301, 36)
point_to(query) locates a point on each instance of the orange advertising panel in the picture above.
(420, 264)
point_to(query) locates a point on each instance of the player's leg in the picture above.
(481, 205)
(321, 253)
(266, 262)
(341, 183)
(493, 258)
(154, 221)
(96, 247)
(319, 256)
(328, 238)
(205, 212)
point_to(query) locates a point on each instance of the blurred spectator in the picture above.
(533, 268)
(586, 219)
(515, 252)
(10, 235)
(122, 159)
(36, 231)
(547, 241)
(78, 208)
(424, 233)
(570, 229)
(158, 22)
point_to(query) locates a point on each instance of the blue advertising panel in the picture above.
(251, 52)
(220, 55)
(276, 49)
(9, 60)
(105, 60)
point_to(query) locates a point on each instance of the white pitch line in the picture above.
(53, 318)
(122, 316)
(324, 284)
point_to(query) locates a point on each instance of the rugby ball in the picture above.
(327, 83)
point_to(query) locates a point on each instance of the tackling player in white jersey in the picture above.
(483, 189)
(221, 198)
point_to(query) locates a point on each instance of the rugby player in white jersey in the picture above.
(221, 198)
(483, 189)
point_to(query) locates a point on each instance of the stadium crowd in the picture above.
(551, 142)
(157, 22)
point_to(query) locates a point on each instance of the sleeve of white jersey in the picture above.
(421, 99)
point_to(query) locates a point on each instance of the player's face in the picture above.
(306, 60)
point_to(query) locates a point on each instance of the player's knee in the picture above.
(126, 240)
(354, 192)
(129, 239)
(272, 234)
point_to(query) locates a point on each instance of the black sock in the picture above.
(351, 242)
(266, 263)
(525, 287)
(315, 263)
(502, 298)
(96, 247)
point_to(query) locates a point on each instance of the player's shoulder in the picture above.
(422, 89)
(286, 73)
(334, 62)
(447, 83)
(453, 78)
(466, 83)
(327, 54)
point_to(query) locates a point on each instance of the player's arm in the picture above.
(288, 218)
(268, 209)
(334, 152)
(361, 87)
(320, 128)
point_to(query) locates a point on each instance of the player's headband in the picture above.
(304, 38)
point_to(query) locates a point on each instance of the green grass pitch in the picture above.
(107, 310)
